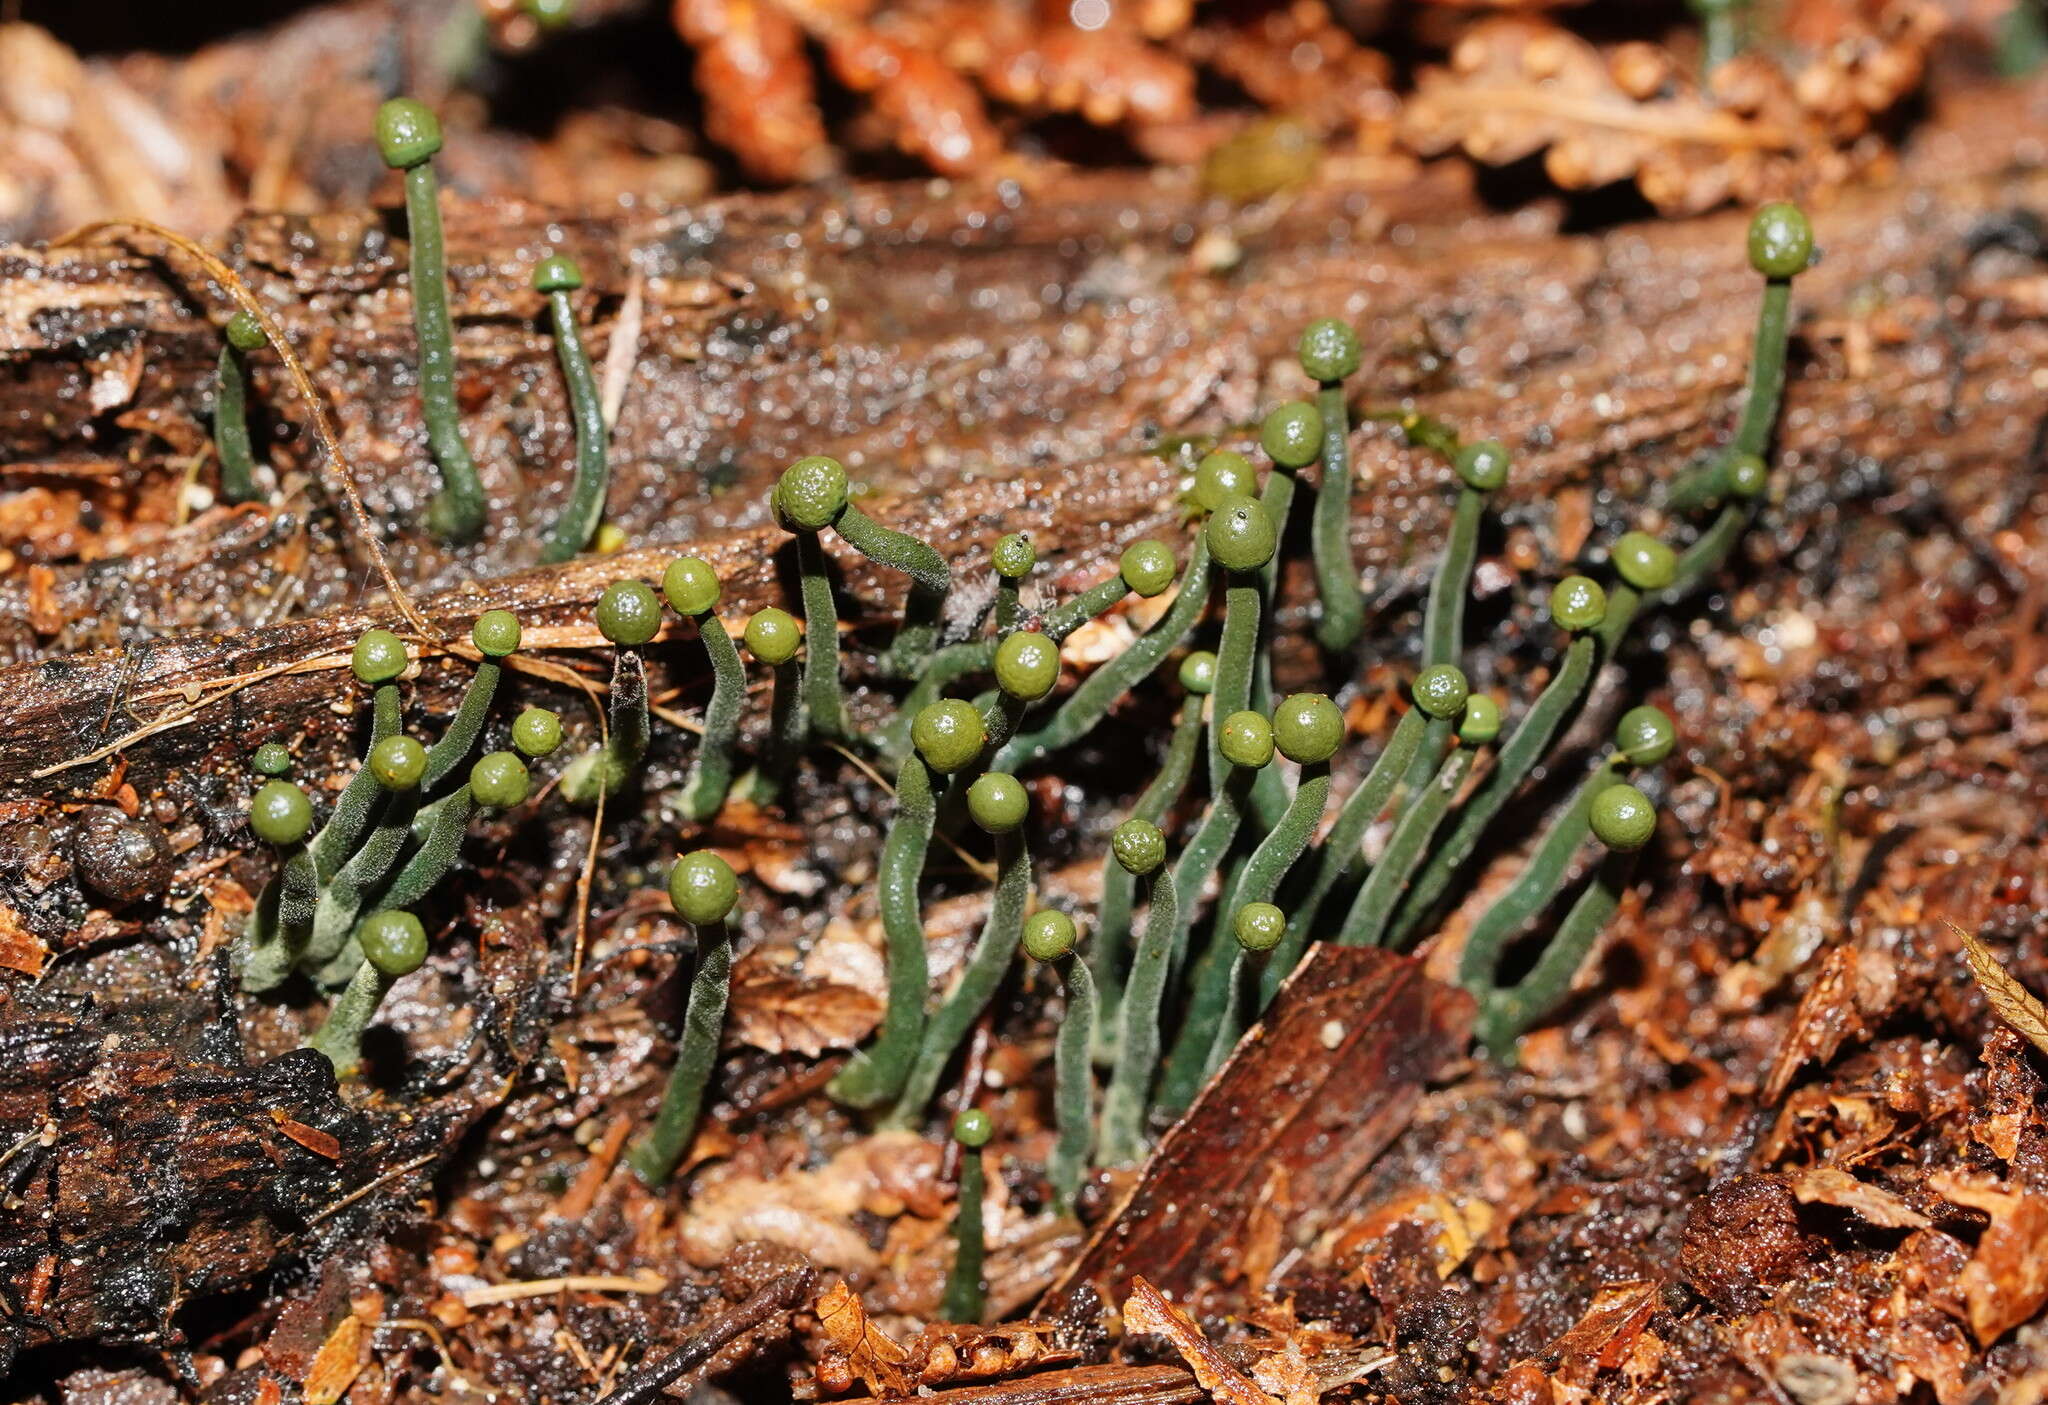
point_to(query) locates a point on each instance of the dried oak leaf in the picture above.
(2012, 1002)
(2006, 1280)
(882, 1365)
(779, 1013)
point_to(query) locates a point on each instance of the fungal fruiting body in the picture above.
(703, 889)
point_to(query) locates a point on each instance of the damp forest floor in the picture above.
(1777, 1147)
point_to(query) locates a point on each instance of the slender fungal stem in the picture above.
(1365, 924)
(557, 277)
(1443, 628)
(439, 848)
(1336, 571)
(1073, 1084)
(230, 410)
(931, 582)
(337, 839)
(1122, 1138)
(964, 1294)
(457, 511)
(1504, 1015)
(655, 1158)
(822, 699)
(710, 776)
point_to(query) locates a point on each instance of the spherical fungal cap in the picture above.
(772, 635)
(1623, 818)
(1139, 846)
(537, 731)
(1198, 672)
(557, 273)
(1223, 474)
(1748, 476)
(1259, 926)
(1307, 727)
(1644, 562)
(691, 585)
(1780, 240)
(1483, 466)
(1147, 567)
(812, 493)
(1441, 690)
(703, 888)
(271, 759)
(1645, 735)
(1048, 934)
(379, 656)
(407, 133)
(1241, 535)
(1292, 435)
(997, 802)
(550, 14)
(280, 813)
(398, 762)
(1480, 722)
(973, 1128)
(1027, 665)
(948, 734)
(495, 633)
(393, 942)
(499, 781)
(628, 613)
(244, 332)
(1578, 604)
(1246, 739)
(1328, 349)
(1013, 556)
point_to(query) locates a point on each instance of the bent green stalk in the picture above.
(1121, 1140)
(557, 277)
(703, 889)
(1504, 1015)
(359, 800)
(230, 409)
(393, 945)
(962, 1299)
(1365, 924)
(931, 582)
(1329, 352)
(823, 702)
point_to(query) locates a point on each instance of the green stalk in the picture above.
(337, 839)
(1443, 621)
(1073, 1084)
(282, 923)
(439, 848)
(655, 1158)
(877, 1073)
(1237, 654)
(578, 523)
(340, 1036)
(604, 771)
(963, 1297)
(703, 794)
(231, 427)
(1063, 619)
(1504, 1015)
(931, 582)
(1343, 613)
(788, 734)
(1122, 1139)
(822, 700)
(457, 511)
(332, 952)
(1365, 924)
(453, 748)
(945, 668)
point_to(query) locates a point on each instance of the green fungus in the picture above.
(500, 781)
(1049, 937)
(1012, 559)
(398, 763)
(496, 634)
(537, 731)
(1027, 665)
(280, 813)
(1329, 352)
(1482, 470)
(628, 614)
(1140, 848)
(703, 889)
(962, 1300)
(1257, 928)
(1292, 435)
(949, 735)
(1147, 567)
(231, 441)
(556, 277)
(408, 136)
(773, 636)
(1223, 474)
(271, 759)
(1721, 30)
(693, 589)
(394, 944)
(809, 496)
(999, 805)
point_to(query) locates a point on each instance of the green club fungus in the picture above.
(703, 889)
(1223, 474)
(1139, 847)
(773, 636)
(693, 589)
(394, 944)
(1258, 928)
(809, 496)
(537, 731)
(271, 759)
(1646, 566)
(496, 635)
(231, 441)
(1329, 352)
(629, 615)
(1049, 937)
(964, 1291)
(408, 136)
(1012, 558)
(556, 277)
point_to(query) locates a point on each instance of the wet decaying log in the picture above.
(1309, 1097)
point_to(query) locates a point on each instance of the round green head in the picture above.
(1482, 467)
(557, 273)
(973, 1128)
(1223, 474)
(398, 762)
(811, 493)
(703, 888)
(1013, 556)
(1441, 690)
(1049, 934)
(1645, 735)
(1578, 604)
(1292, 435)
(408, 134)
(1027, 665)
(280, 813)
(537, 731)
(1241, 535)
(1623, 818)
(628, 613)
(1198, 673)
(948, 734)
(1480, 721)
(244, 332)
(1246, 739)
(1308, 728)
(1259, 926)
(393, 942)
(1147, 567)
(549, 14)
(495, 633)
(998, 802)
(379, 656)
(499, 781)
(772, 635)
(1780, 240)
(271, 759)
(691, 586)
(1748, 476)
(1644, 562)
(1329, 350)
(1139, 846)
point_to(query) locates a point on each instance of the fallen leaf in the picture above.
(1830, 1185)
(20, 949)
(1605, 1334)
(870, 1353)
(311, 1138)
(337, 1364)
(2014, 1003)
(784, 1014)
(2006, 1280)
(1147, 1310)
